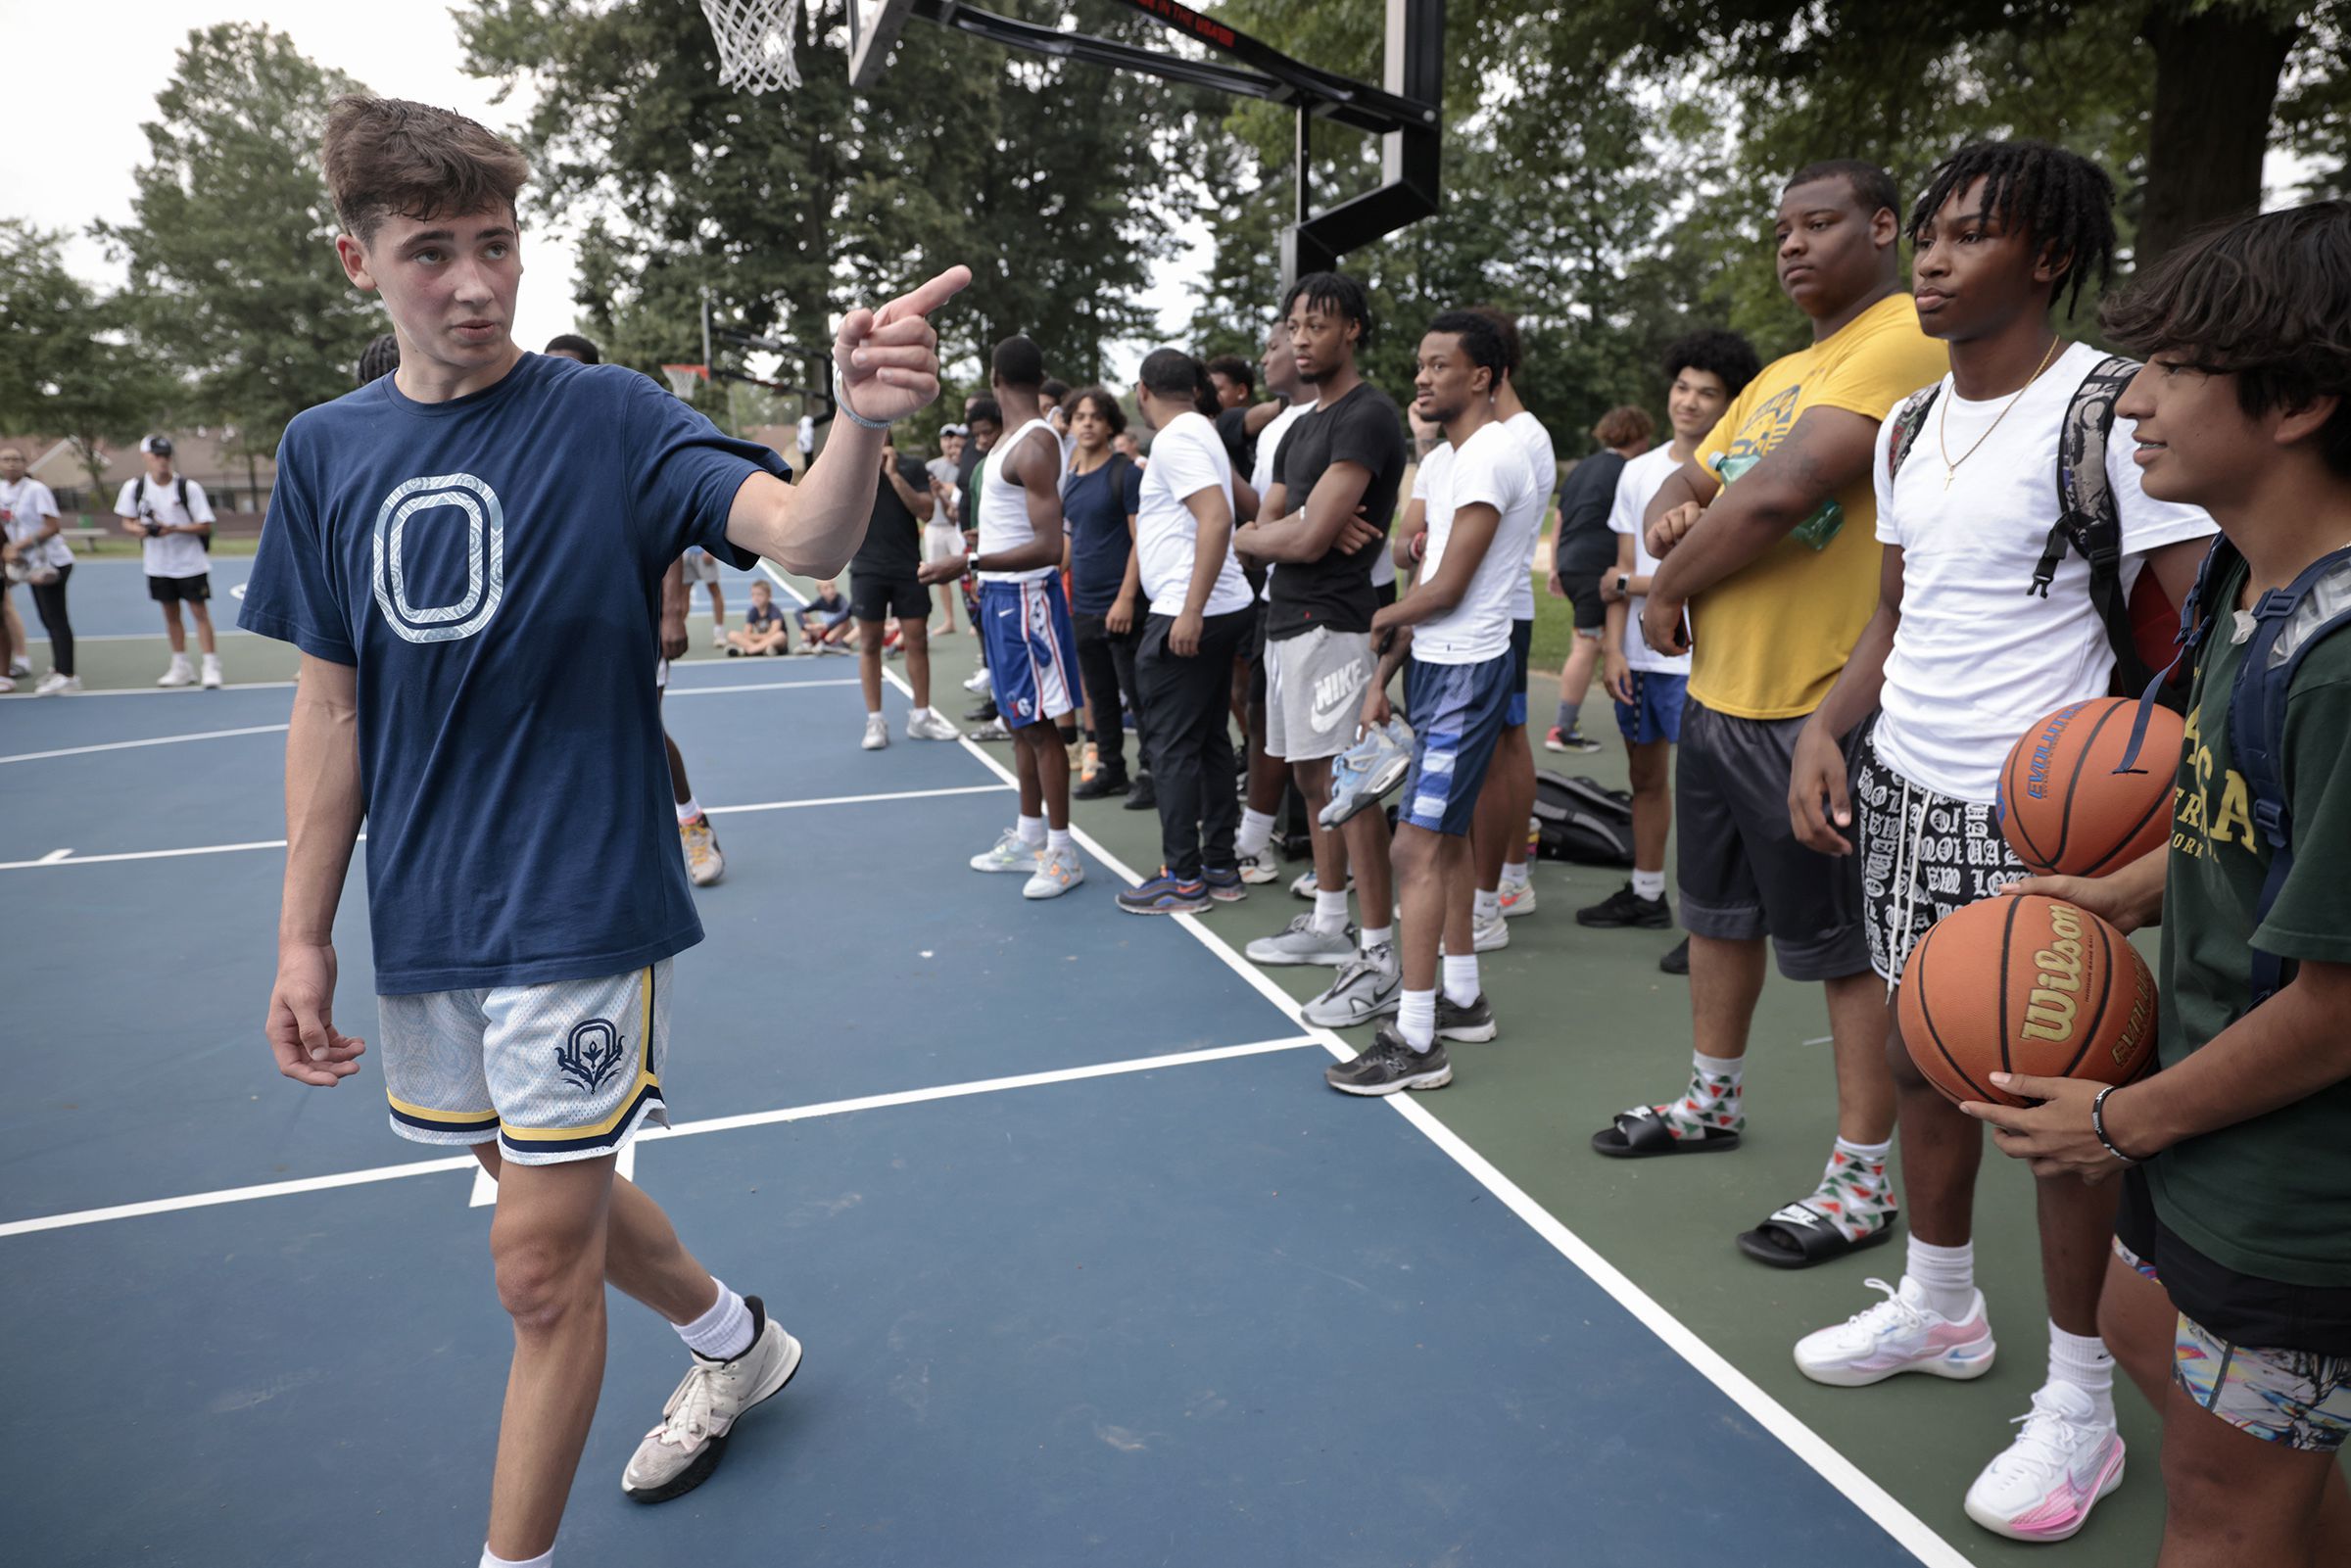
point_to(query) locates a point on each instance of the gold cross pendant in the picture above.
(1949, 474)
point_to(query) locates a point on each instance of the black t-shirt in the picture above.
(893, 538)
(1361, 427)
(1232, 429)
(1586, 544)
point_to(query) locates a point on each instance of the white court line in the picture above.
(57, 857)
(689, 1129)
(153, 740)
(1914, 1533)
(747, 685)
(177, 695)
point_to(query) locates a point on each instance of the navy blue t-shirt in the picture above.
(1095, 518)
(493, 566)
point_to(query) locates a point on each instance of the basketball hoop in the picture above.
(755, 43)
(682, 378)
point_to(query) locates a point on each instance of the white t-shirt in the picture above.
(26, 507)
(1186, 458)
(1978, 658)
(1261, 478)
(173, 554)
(1542, 467)
(1004, 506)
(1637, 485)
(1490, 468)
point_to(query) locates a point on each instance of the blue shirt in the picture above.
(493, 566)
(1095, 519)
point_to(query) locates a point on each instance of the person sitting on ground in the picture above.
(825, 625)
(764, 630)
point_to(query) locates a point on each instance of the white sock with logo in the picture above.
(689, 809)
(1649, 884)
(722, 1333)
(1486, 907)
(1257, 831)
(2083, 1360)
(1944, 1275)
(1330, 913)
(1514, 875)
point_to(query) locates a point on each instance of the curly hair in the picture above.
(1718, 352)
(2062, 200)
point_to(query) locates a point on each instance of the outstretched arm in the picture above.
(888, 364)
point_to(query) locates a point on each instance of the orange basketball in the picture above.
(2064, 809)
(2024, 983)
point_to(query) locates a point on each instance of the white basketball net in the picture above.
(755, 43)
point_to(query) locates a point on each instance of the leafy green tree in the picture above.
(65, 370)
(233, 281)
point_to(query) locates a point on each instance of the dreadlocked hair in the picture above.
(2061, 199)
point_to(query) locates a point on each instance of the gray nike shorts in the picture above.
(1314, 693)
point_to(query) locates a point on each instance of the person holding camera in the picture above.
(34, 555)
(168, 514)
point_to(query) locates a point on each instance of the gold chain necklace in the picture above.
(1943, 422)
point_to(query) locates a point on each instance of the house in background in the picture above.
(239, 490)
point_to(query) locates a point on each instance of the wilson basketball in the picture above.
(2064, 809)
(2026, 984)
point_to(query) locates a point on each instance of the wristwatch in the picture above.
(1624, 585)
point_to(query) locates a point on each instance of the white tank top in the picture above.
(1004, 507)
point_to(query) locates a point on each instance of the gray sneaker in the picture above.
(1300, 943)
(682, 1449)
(1368, 987)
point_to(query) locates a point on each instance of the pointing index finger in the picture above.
(927, 298)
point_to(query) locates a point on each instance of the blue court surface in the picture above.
(1089, 1265)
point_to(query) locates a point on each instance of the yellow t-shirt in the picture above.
(1768, 641)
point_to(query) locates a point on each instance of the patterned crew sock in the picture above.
(1711, 1101)
(1855, 1192)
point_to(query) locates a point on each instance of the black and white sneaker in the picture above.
(1389, 1065)
(682, 1449)
(1624, 907)
(1370, 985)
(1473, 1024)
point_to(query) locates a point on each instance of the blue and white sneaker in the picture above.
(1224, 886)
(1365, 771)
(1165, 894)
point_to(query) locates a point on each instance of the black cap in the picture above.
(159, 446)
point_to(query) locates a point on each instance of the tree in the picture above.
(65, 370)
(234, 285)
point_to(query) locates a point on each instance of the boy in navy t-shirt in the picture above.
(483, 535)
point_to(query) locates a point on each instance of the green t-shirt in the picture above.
(2270, 1197)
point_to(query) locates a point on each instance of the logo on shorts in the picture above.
(591, 1055)
(1334, 694)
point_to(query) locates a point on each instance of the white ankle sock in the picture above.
(491, 1559)
(722, 1333)
(1058, 841)
(2084, 1361)
(689, 809)
(1031, 830)
(1330, 913)
(1944, 1275)
(1461, 980)
(1416, 1019)
(1486, 906)
(1378, 936)
(1649, 884)
(1514, 875)
(1257, 831)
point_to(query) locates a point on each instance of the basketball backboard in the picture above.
(874, 25)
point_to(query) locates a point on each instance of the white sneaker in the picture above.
(212, 672)
(19, 668)
(930, 725)
(1057, 871)
(978, 681)
(1260, 868)
(1517, 898)
(1010, 854)
(1485, 936)
(682, 1449)
(718, 636)
(876, 732)
(2043, 1484)
(1370, 986)
(53, 683)
(705, 863)
(181, 672)
(1901, 1334)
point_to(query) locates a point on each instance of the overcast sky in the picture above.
(91, 94)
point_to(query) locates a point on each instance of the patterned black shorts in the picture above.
(1923, 856)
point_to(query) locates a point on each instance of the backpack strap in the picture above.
(2287, 623)
(1908, 421)
(2089, 517)
(2196, 618)
(182, 488)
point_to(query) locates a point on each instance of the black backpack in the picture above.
(1582, 820)
(179, 483)
(2090, 521)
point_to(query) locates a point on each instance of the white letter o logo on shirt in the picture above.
(414, 501)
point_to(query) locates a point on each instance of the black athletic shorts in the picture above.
(1743, 874)
(2239, 1307)
(1580, 576)
(179, 589)
(877, 598)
